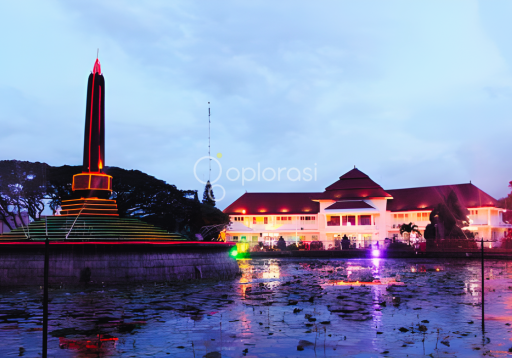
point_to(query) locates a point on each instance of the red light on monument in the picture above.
(97, 67)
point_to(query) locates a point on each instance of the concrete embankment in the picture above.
(114, 262)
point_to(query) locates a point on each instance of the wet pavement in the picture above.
(277, 308)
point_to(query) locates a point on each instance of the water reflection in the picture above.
(274, 307)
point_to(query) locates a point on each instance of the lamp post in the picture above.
(45, 297)
(483, 283)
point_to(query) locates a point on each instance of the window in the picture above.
(365, 220)
(418, 216)
(351, 220)
(254, 239)
(307, 218)
(425, 216)
(243, 238)
(239, 218)
(235, 238)
(334, 221)
(473, 212)
(254, 220)
(265, 220)
(314, 237)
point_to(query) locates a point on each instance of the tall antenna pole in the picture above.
(209, 156)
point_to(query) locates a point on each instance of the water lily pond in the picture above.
(277, 308)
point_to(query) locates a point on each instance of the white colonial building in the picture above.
(357, 207)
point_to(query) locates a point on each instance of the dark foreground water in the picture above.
(278, 308)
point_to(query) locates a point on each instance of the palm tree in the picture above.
(409, 228)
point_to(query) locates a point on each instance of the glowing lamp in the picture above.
(376, 253)
(233, 252)
(243, 211)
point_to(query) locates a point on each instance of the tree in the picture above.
(409, 228)
(26, 187)
(447, 219)
(506, 203)
(145, 197)
(208, 197)
(22, 190)
(281, 244)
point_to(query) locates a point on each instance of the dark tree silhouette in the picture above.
(506, 203)
(26, 186)
(208, 197)
(281, 244)
(447, 219)
(22, 190)
(147, 198)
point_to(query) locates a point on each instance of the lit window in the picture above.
(254, 220)
(365, 220)
(265, 220)
(333, 221)
(254, 239)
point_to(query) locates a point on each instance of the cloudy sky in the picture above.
(413, 93)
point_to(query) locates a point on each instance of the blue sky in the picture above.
(412, 93)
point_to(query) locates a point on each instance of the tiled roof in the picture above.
(354, 204)
(353, 185)
(428, 197)
(274, 203)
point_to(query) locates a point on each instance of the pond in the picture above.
(277, 308)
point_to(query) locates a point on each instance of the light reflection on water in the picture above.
(254, 315)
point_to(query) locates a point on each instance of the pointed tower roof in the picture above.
(353, 185)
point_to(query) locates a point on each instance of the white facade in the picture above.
(357, 207)
(486, 223)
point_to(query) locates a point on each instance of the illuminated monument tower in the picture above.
(90, 235)
(92, 187)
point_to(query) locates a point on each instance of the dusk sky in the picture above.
(414, 93)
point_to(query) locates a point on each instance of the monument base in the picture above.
(76, 263)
